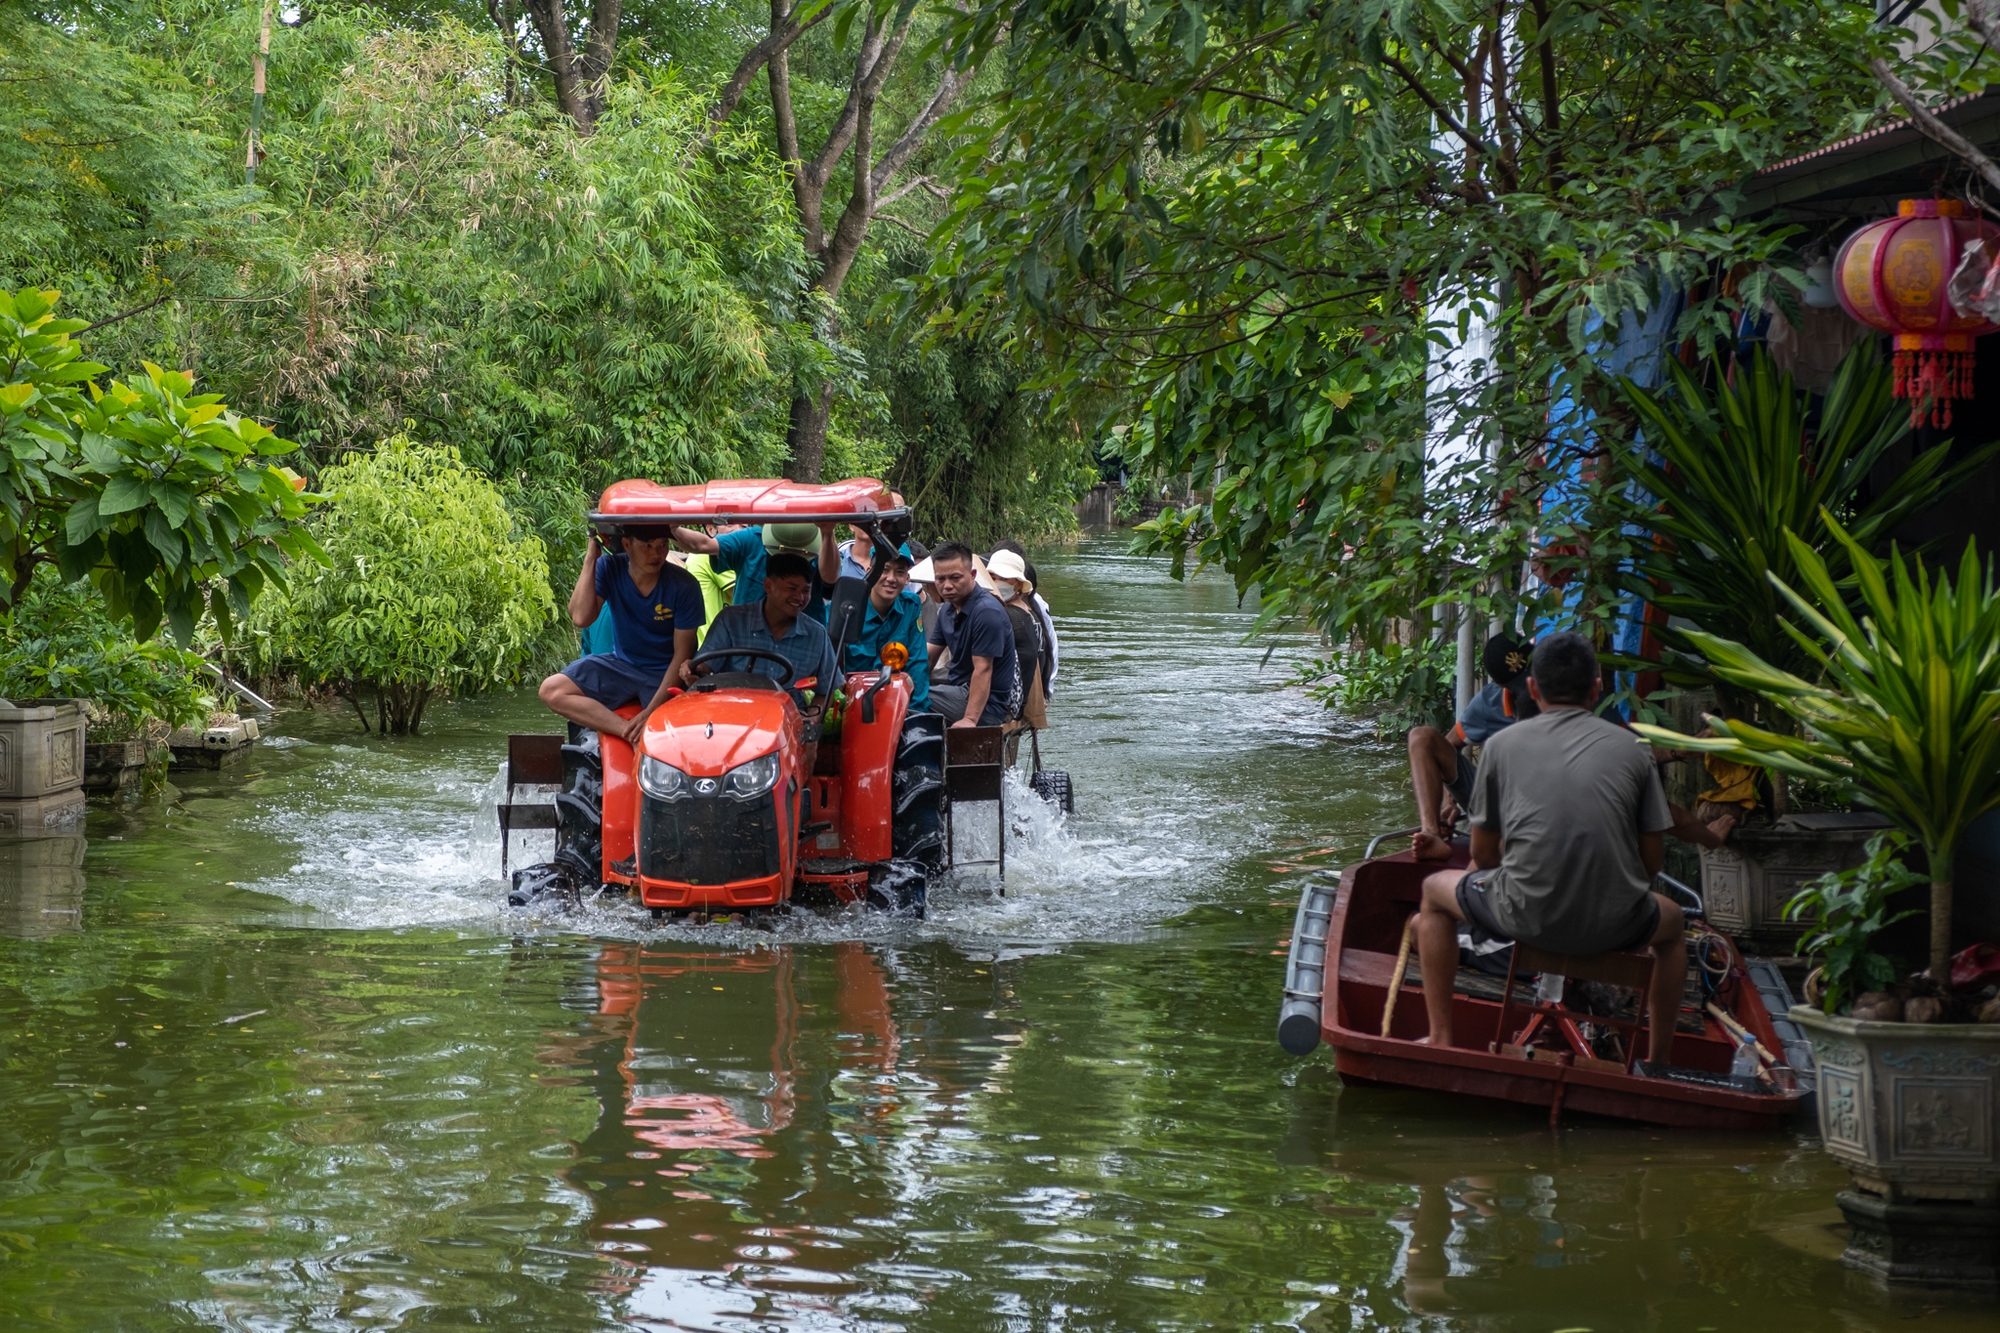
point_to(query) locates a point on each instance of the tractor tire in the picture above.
(1053, 787)
(900, 888)
(917, 792)
(550, 884)
(580, 812)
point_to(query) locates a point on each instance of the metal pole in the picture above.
(1462, 687)
(257, 96)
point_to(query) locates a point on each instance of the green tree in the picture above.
(1240, 229)
(430, 589)
(166, 500)
(57, 642)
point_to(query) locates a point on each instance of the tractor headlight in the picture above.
(752, 779)
(662, 780)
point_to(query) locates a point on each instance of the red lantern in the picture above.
(1891, 276)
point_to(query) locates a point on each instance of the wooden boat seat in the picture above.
(1617, 968)
(1488, 986)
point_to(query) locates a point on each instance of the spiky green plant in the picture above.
(1905, 704)
(1739, 469)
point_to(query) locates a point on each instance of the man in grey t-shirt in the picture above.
(1567, 825)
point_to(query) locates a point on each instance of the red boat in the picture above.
(1341, 979)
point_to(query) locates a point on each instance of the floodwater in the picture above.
(278, 1058)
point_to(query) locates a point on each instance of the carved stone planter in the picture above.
(41, 764)
(1747, 883)
(1909, 1108)
(113, 765)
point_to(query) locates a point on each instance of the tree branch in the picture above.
(895, 221)
(860, 102)
(1927, 121)
(1471, 140)
(925, 183)
(754, 60)
(899, 152)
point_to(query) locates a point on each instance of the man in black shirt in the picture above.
(983, 687)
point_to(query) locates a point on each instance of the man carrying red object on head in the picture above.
(656, 608)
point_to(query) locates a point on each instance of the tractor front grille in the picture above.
(708, 839)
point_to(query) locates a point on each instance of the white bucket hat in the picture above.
(1010, 566)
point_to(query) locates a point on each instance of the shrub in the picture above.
(1402, 686)
(432, 587)
(59, 641)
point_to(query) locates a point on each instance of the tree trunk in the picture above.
(552, 25)
(853, 128)
(1940, 923)
(807, 435)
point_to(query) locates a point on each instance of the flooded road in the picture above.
(278, 1058)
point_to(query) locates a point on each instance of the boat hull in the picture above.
(1375, 899)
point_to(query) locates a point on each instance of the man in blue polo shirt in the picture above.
(983, 685)
(745, 550)
(895, 614)
(656, 609)
(778, 622)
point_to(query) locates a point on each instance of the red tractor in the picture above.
(715, 810)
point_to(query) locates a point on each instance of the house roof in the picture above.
(1866, 174)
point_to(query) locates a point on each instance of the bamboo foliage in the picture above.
(1740, 470)
(1907, 709)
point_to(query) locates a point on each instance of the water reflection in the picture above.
(41, 886)
(761, 1111)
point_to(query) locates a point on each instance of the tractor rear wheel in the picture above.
(1052, 785)
(917, 822)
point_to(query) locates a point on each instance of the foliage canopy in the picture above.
(1252, 230)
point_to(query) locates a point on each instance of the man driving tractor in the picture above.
(777, 622)
(656, 609)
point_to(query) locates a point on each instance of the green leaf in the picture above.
(175, 500)
(82, 522)
(122, 494)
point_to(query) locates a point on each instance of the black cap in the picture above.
(1506, 659)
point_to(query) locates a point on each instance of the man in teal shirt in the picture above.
(744, 552)
(895, 615)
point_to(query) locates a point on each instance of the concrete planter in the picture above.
(225, 741)
(113, 765)
(41, 764)
(1909, 1108)
(1748, 882)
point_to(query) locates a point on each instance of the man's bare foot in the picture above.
(1429, 847)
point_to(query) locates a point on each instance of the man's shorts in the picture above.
(613, 681)
(1477, 908)
(1473, 904)
(1460, 785)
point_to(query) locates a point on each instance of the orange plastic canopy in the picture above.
(754, 500)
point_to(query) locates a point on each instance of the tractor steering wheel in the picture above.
(717, 654)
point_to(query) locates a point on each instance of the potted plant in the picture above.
(1732, 474)
(1904, 708)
